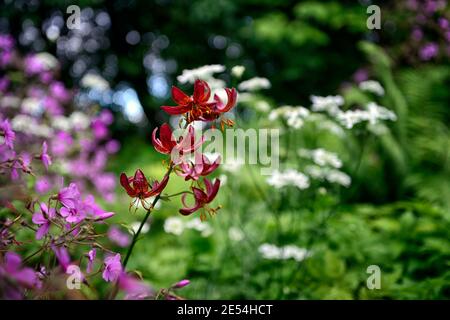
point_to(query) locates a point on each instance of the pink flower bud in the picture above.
(181, 284)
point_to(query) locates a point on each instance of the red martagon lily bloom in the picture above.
(202, 198)
(138, 187)
(198, 106)
(166, 142)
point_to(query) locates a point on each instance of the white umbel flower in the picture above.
(48, 61)
(321, 157)
(273, 252)
(203, 227)
(289, 177)
(204, 72)
(329, 104)
(135, 227)
(294, 116)
(61, 123)
(174, 225)
(328, 174)
(373, 114)
(32, 106)
(254, 84)
(94, 81)
(79, 120)
(372, 86)
(238, 71)
(376, 112)
(235, 234)
(269, 251)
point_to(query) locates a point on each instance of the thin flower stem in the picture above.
(35, 253)
(178, 194)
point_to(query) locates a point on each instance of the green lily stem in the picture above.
(178, 194)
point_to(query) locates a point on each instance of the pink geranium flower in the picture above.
(63, 256)
(45, 158)
(73, 215)
(134, 288)
(91, 257)
(113, 268)
(118, 237)
(69, 196)
(7, 133)
(43, 219)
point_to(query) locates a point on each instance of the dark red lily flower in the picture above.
(219, 107)
(197, 106)
(194, 103)
(167, 143)
(202, 198)
(138, 187)
(200, 167)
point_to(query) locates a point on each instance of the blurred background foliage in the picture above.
(396, 214)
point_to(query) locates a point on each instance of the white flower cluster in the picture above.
(321, 157)
(48, 61)
(235, 234)
(135, 227)
(32, 106)
(329, 174)
(326, 165)
(9, 101)
(94, 81)
(26, 124)
(177, 225)
(272, 252)
(238, 71)
(204, 72)
(329, 104)
(289, 177)
(77, 120)
(254, 84)
(294, 116)
(232, 165)
(372, 86)
(373, 114)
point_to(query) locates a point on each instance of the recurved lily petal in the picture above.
(180, 97)
(176, 110)
(166, 141)
(125, 183)
(158, 187)
(188, 143)
(189, 210)
(202, 92)
(211, 189)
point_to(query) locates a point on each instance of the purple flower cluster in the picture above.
(40, 112)
(6, 49)
(428, 22)
(44, 140)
